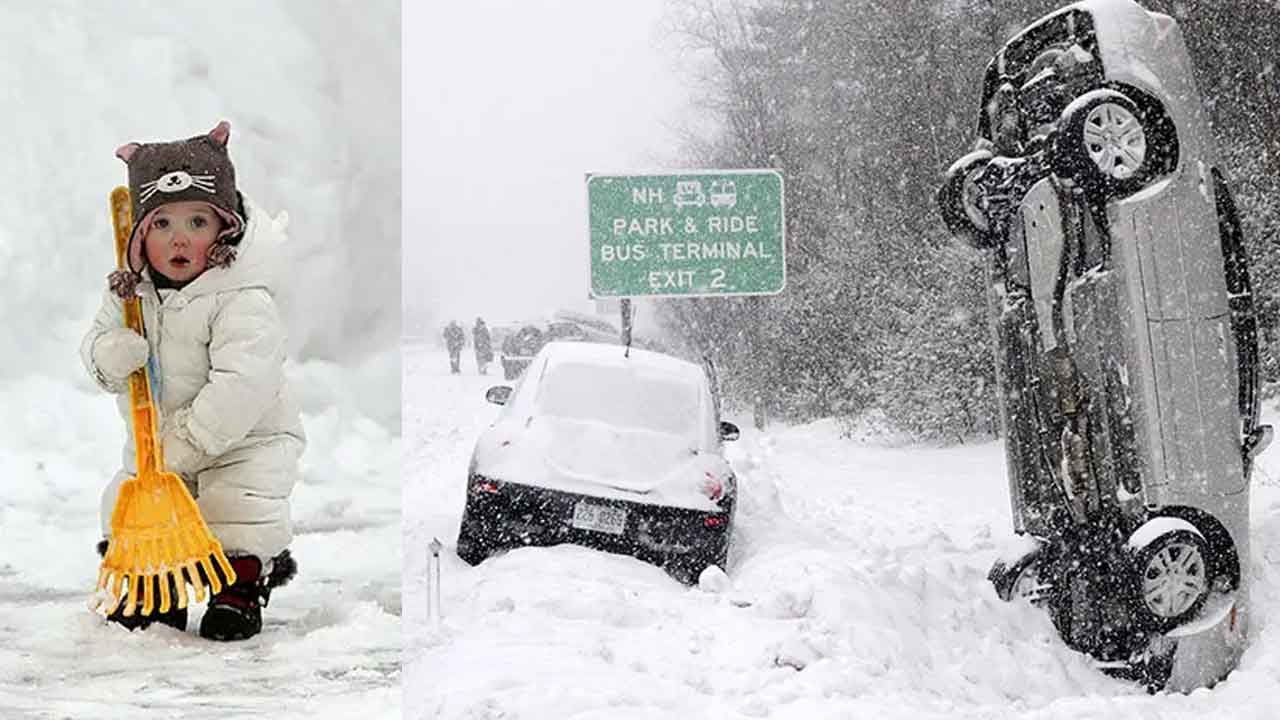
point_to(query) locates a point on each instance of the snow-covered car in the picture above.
(564, 330)
(606, 448)
(1127, 350)
(500, 331)
(518, 348)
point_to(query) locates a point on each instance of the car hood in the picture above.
(594, 458)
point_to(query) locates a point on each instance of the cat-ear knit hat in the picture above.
(197, 169)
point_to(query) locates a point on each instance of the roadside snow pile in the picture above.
(856, 588)
(93, 76)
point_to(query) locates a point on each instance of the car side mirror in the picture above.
(728, 431)
(498, 394)
(1258, 440)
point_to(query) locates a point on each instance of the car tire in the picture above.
(1171, 575)
(1020, 580)
(1110, 145)
(958, 197)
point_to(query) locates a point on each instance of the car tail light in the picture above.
(712, 487)
(714, 521)
(485, 485)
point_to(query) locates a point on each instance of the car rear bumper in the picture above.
(503, 515)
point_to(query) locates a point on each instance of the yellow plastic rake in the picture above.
(158, 538)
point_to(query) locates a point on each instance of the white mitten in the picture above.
(120, 351)
(180, 454)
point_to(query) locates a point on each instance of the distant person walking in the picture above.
(484, 346)
(454, 338)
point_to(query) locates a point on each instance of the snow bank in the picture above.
(315, 132)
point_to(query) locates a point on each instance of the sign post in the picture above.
(433, 588)
(701, 233)
(626, 324)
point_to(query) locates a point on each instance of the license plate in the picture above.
(601, 518)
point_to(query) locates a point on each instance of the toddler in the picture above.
(201, 259)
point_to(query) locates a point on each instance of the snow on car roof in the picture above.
(646, 390)
(616, 356)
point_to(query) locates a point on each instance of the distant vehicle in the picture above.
(591, 327)
(519, 346)
(724, 193)
(689, 192)
(1127, 350)
(615, 452)
(563, 330)
(500, 331)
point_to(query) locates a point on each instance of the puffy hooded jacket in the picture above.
(217, 366)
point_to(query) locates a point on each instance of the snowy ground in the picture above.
(332, 639)
(857, 590)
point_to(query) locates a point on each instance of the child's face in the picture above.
(177, 243)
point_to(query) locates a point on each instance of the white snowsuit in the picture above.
(217, 355)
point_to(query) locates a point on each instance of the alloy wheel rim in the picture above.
(1174, 579)
(1115, 140)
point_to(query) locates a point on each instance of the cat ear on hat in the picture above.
(125, 152)
(221, 134)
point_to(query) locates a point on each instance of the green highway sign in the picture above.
(695, 233)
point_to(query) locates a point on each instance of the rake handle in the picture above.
(158, 535)
(148, 452)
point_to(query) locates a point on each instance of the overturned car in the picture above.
(608, 448)
(1126, 344)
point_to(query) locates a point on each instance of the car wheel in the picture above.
(959, 201)
(1171, 574)
(1108, 144)
(1019, 581)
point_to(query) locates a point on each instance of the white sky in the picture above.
(507, 105)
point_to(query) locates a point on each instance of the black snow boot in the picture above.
(175, 618)
(235, 613)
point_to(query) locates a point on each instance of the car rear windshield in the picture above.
(622, 396)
